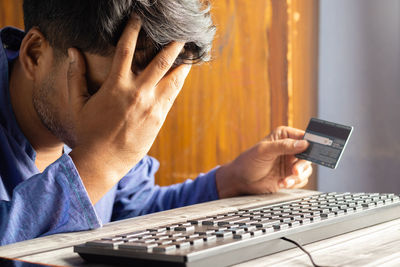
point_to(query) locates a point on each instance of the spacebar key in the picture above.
(138, 246)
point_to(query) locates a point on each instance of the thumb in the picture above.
(287, 146)
(76, 79)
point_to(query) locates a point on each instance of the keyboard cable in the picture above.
(304, 250)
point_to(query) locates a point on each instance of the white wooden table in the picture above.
(374, 246)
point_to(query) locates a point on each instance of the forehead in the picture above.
(97, 69)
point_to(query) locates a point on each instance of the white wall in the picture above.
(359, 85)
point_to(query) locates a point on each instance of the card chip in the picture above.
(327, 142)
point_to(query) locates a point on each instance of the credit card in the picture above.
(327, 142)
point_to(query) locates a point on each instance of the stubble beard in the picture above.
(49, 112)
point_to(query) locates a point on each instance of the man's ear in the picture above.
(34, 48)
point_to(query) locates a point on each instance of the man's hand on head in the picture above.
(266, 167)
(116, 127)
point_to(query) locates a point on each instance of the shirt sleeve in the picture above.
(137, 194)
(51, 202)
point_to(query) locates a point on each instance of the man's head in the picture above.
(94, 27)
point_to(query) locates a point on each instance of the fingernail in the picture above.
(300, 169)
(289, 182)
(281, 185)
(300, 143)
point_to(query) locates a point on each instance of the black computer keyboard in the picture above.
(234, 237)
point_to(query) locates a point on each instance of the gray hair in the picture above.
(95, 26)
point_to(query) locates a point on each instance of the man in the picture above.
(84, 92)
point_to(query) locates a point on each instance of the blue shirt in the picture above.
(34, 204)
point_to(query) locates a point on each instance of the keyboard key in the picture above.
(185, 228)
(242, 236)
(138, 246)
(205, 232)
(145, 236)
(147, 240)
(294, 223)
(181, 245)
(256, 233)
(223, 234)
(281, 226)
(134, 234)
(160, 234)
(358, 208)
(248, 228)
(315, 218)
(191, 236)
(172, 226)
(209, 238)
(251, 217)
(175, 234)
(349, 210)
(222, 219)
(112, 238)
(324, 210)
(247, 222)
(158, 229)
(132, 239)
(198, 220)
(165, 248)
(305, 220)
(295, 217)
(104, 243)
(216, 229)
(163, 242)
(178, 239)
(195, 241)
(234, 220)
(265, 223)
(268, 229)
(327, 215)
(161, 237)
(237, 230)
(339, 213)
(285, 219)
(368, 205)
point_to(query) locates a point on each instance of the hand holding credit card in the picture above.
(327, 142)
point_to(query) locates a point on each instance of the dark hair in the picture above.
(95, 26)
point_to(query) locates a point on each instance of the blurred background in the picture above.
(359, 85)
(280, 62)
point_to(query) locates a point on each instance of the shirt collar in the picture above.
(10, 40)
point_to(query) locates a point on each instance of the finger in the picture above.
(283, 132)
(160, 65)
(300, 166)
(170, 86)
(294, 180)
(76, 79)
(300, 185)
(302, 180)
(122, 61)
(287, 183)
(283, 147)
(294, 133)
